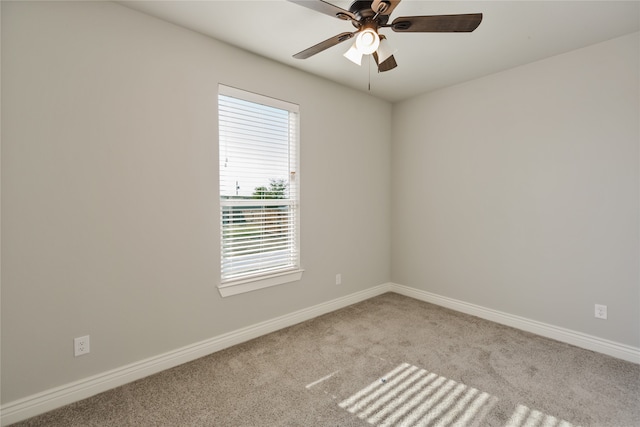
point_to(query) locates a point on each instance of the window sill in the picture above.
(247, 285)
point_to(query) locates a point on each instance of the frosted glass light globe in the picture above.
(367, 41)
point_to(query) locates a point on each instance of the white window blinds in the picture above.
(258, 185)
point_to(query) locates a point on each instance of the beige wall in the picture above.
(519, 192)
(109, 190)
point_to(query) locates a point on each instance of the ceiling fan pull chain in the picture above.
(369, 69)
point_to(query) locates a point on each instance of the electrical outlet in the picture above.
(601, 311)
(81, 346)
(338, 279)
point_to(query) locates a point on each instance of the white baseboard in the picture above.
(589, 342)
(50, 399)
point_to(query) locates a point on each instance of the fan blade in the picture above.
(388, 64)
(437, 24)
(388, 6)
(326, 8)
(323, 45)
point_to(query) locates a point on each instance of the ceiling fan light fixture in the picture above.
(368, 16)
(367, 41)
(354, 55)
(385, 50)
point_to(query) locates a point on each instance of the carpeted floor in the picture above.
(390, 360)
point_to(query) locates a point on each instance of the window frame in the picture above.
(264, 279)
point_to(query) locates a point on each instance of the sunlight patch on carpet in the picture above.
(409, 396)
(320, 380)
(526, 417)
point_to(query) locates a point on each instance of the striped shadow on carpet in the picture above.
(410, 396)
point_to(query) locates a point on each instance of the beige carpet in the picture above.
(387, 361)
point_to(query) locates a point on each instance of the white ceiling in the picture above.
(512, 33)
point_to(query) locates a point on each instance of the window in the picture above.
(258, 141)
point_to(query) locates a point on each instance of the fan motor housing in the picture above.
(363, 13)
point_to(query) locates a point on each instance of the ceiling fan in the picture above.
(368, 16)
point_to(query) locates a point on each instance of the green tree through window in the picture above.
(277, 190)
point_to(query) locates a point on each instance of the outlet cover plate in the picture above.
(601, 311)
(81, 346)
